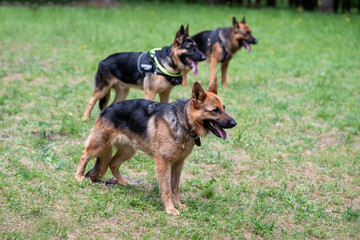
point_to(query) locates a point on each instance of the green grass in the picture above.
(290, 169)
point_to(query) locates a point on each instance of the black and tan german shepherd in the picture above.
(157, 71)
(220, 46)
(165, 131)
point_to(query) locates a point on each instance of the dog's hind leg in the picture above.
(175, 180)
(101, 165)
(124, 153)
(98, 94)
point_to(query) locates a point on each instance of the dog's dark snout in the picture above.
(232, 123)
(203, 57)
(255, 41)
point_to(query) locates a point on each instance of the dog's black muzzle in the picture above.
(217, 127)
(203, 57)
(252, 41)
(197, 56)
(230, 123)
(191, 59)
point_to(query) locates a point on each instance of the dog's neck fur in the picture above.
(196, 126)
(182, 125)
(165, 53)
(225, 33)
(191, 132)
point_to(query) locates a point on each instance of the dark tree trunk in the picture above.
(296, 3)
(256, 4)
(336, 5)
(102, 3)
(309, 4)
(271, 3)
(215, 1)
(346, 4)
(327, 6)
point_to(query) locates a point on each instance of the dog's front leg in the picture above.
(81, 166)
(150, 87)
(185, 72)
(165, 95)
(213, 63)
(163, 171)
(175, 180)
(150, 94)
(224, 67)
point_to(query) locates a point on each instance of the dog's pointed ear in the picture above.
(243, 20)
(213, 86)
(235, 22)
(198, 92)
(179, 38)
(187, 31)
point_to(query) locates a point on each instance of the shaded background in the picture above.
(320, 5)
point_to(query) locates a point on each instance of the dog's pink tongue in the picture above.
(220, 131)
(247, 46)
(193, 66)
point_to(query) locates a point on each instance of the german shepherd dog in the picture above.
(165, 131)
(157, 71)
(220, 46)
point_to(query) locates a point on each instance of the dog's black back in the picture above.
(201, 40)
(124, 116)
(134, 115)
(121, 65)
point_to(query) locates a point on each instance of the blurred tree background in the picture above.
(311, 5)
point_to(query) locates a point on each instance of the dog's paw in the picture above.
(123, 182)
(172, 211)
(79, 177)
(182, 206)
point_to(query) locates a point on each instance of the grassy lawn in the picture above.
(290, 169)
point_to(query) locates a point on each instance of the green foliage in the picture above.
(288, 170)
(352, 215)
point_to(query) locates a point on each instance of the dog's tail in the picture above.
(104, 101)
(101, 81)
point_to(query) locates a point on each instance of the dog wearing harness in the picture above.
(148, 65)
(220, 46)
(156, 71)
